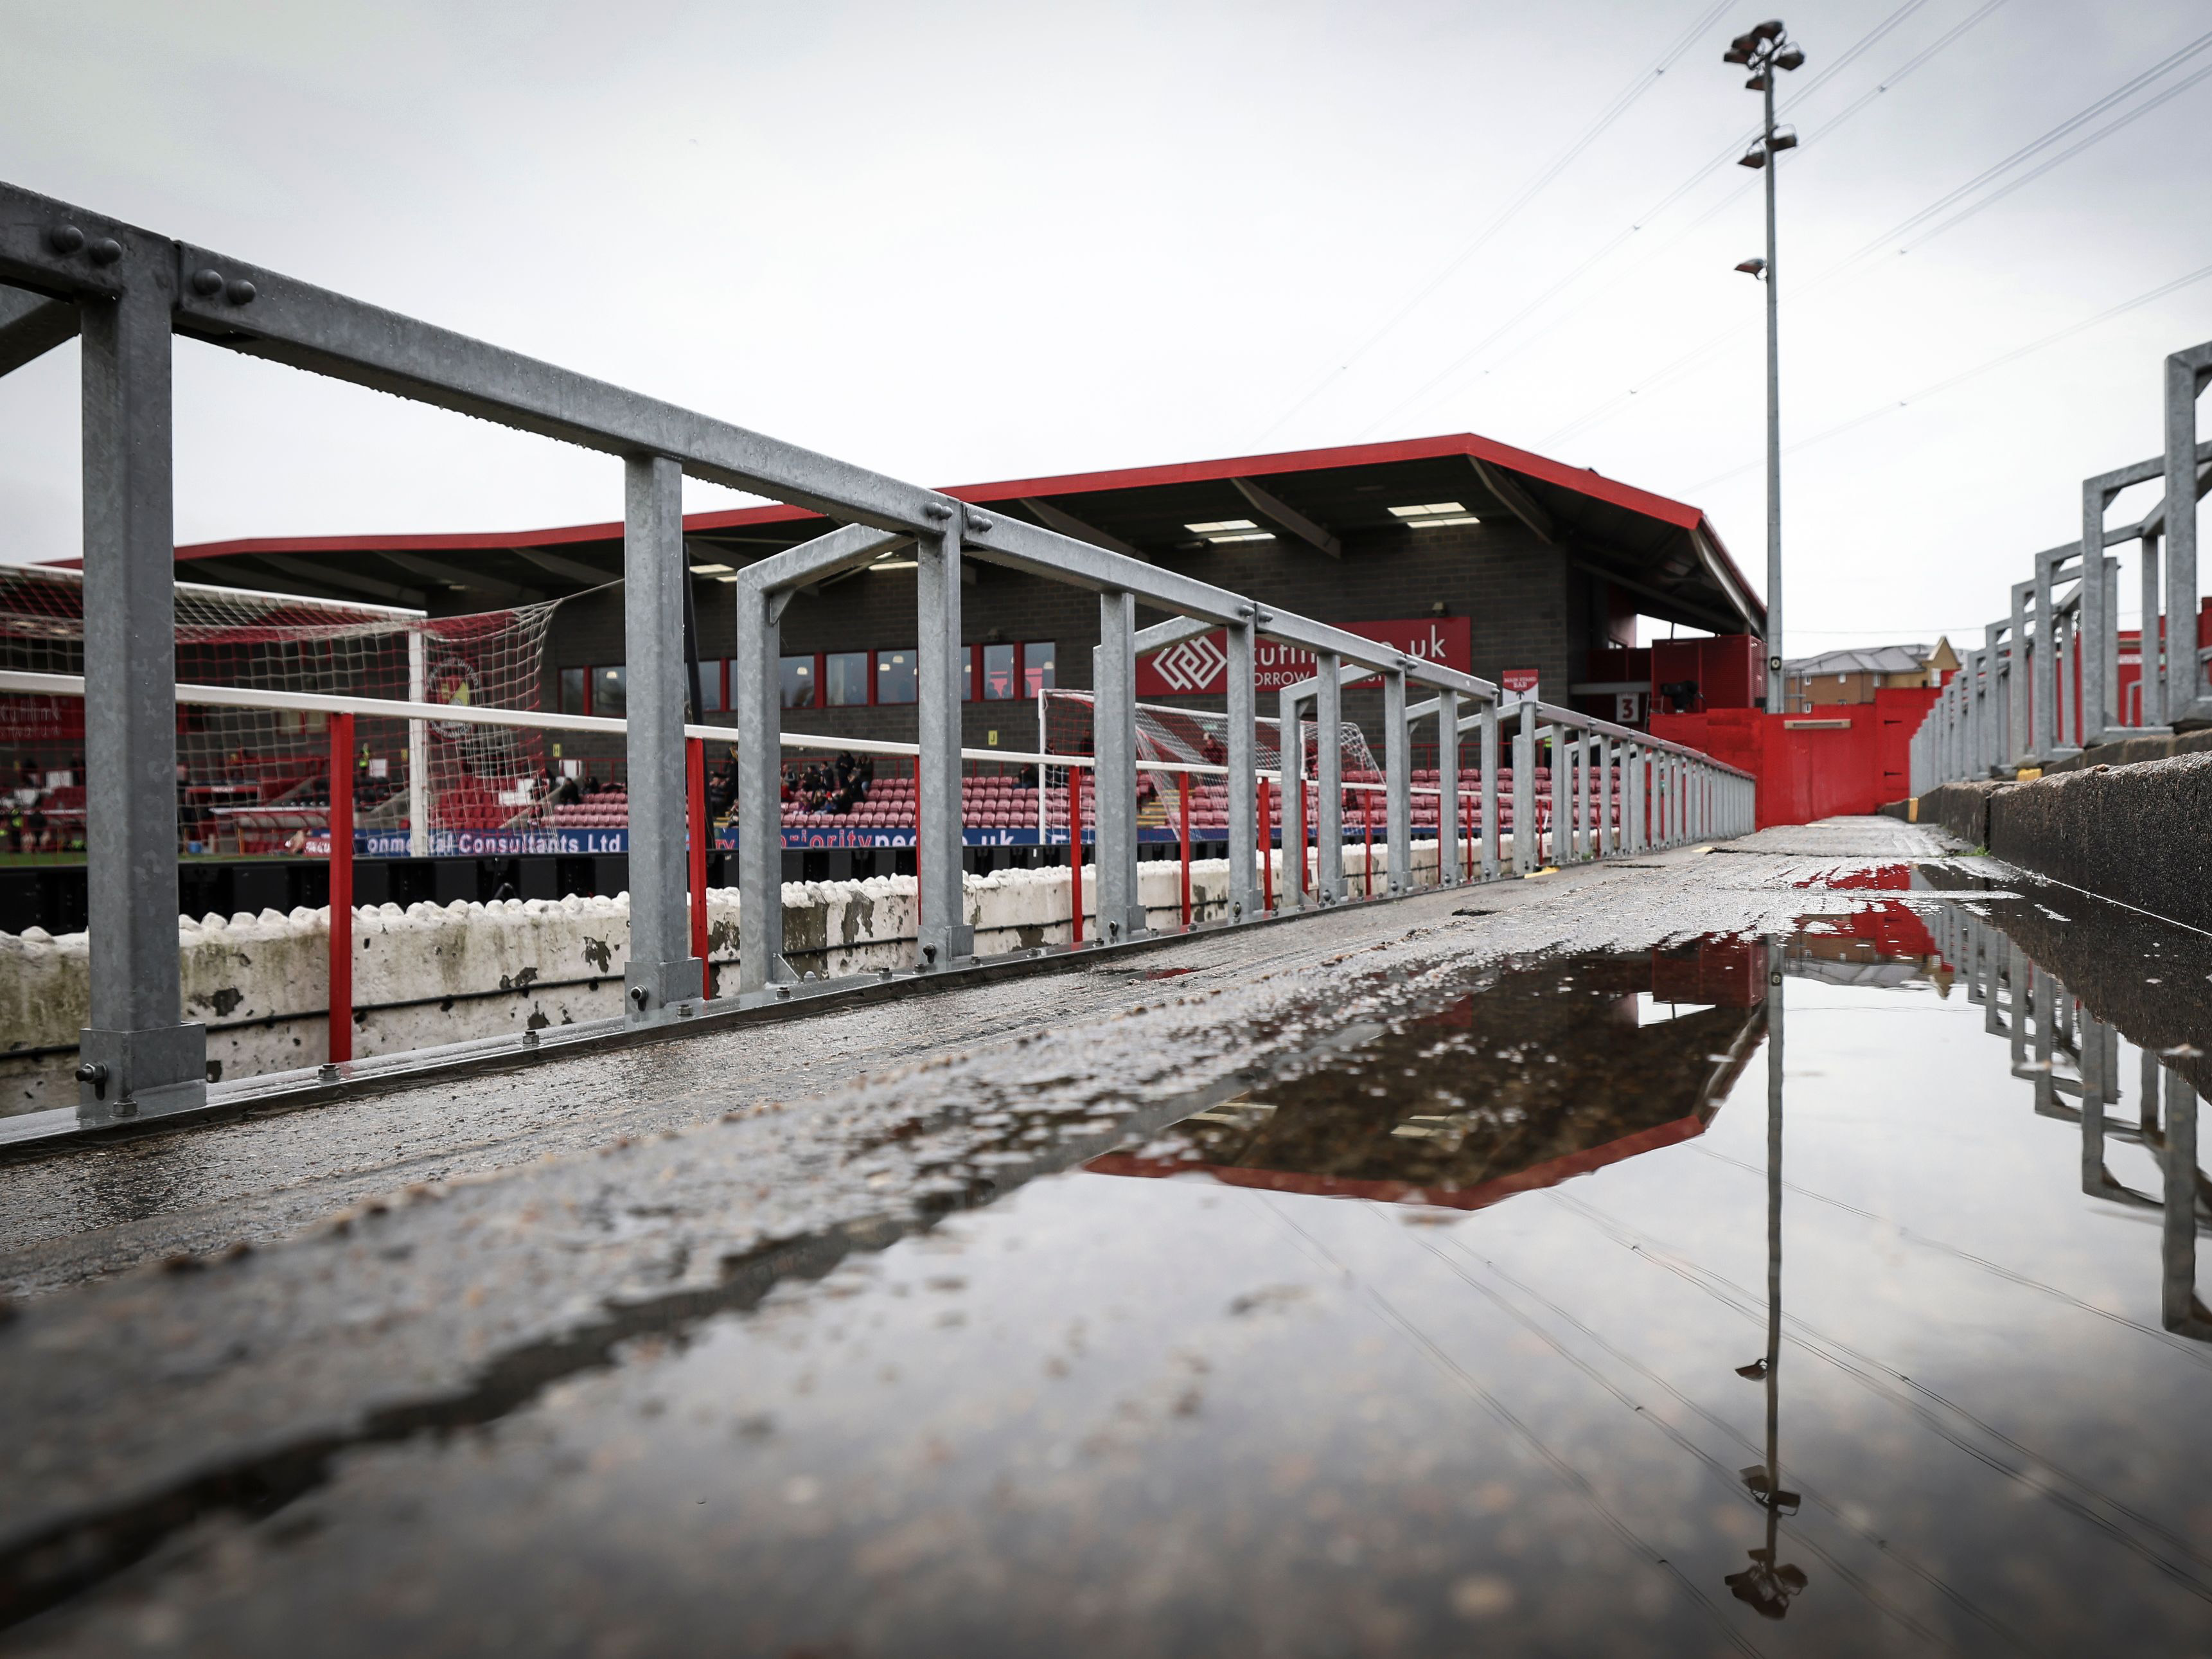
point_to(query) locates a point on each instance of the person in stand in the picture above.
(722, 798)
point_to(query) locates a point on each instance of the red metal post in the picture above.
(695, 790)
(341, 928)
(1182, 796)
(1267, 851)
(1075, 848)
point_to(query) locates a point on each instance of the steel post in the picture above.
(1243, 763)
(1448, 827)
(1290, 747)
(1631, 800)
(2186, 375)
(1563, 804)
(945, 936)
(2095, 619)
(137, 1057)
(1527, 856)
(1114, 718)
(662, 971)
(1328, 770)
(1487, 805)
(1398, 782)
(756, 695)
(2017, 676)
(2150, 682)
(2179, 1306)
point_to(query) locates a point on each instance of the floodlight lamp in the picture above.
(1769, 30)
(1790, 57)
(1755, 158)
(1784, 138)
(1757, 84)
(1735, 55)
(1753, 267)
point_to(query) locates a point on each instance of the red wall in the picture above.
(1808, 766)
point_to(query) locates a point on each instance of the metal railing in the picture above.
(127, 291)
(2071, 1060)
(2044, 684)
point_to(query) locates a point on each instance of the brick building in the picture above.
(1542, 563)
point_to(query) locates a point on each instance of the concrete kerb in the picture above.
(52, 1132)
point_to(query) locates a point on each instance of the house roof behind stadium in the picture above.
(1318, 502)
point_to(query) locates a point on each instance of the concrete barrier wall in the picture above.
(1962, 810)
(431, 974)
(2142, 834)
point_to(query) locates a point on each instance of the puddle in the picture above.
(1832, 1294)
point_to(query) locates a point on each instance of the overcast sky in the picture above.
(967, 241)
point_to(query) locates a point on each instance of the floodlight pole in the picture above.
(1763, 49)
(1774, 691)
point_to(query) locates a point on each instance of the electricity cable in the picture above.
(1643, 81)
(1704, 171)
(1964, 375)
(1671, 372)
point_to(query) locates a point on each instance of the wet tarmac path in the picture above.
(1404, 1281)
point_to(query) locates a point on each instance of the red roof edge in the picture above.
(1541, 468)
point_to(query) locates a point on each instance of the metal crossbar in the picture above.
(126, 291)
(2044, 684)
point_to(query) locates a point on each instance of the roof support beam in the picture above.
(453, 575)
(354, 582)
(1518, 502)
(1719, 621)
(554, 565)
(1068, 525)
(31, 326)
(1273, 507)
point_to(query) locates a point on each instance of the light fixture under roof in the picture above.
(1230, 530)
(710, 571)
(1431, 513)
(894, 564)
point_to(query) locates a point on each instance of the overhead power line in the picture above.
(1704, 171)
(1643, 81)
(1964, 375)
(1674, 371)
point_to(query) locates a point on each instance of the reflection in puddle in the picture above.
(1835, 1295)
(1552, 1068)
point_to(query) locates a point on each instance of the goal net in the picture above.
(258, 781)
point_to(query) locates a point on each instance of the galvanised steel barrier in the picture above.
(2070, 1059)
(126, 291)
(2044, 683)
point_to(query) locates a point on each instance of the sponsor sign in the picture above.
(1517, 685)
(1199, 667)
(511, 843)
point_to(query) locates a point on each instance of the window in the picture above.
(572, 690)
(997, 674)
(895, 676)
(798, 673)
(1036, 667)
(710, 686)
(610, 692)
(846, 679)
